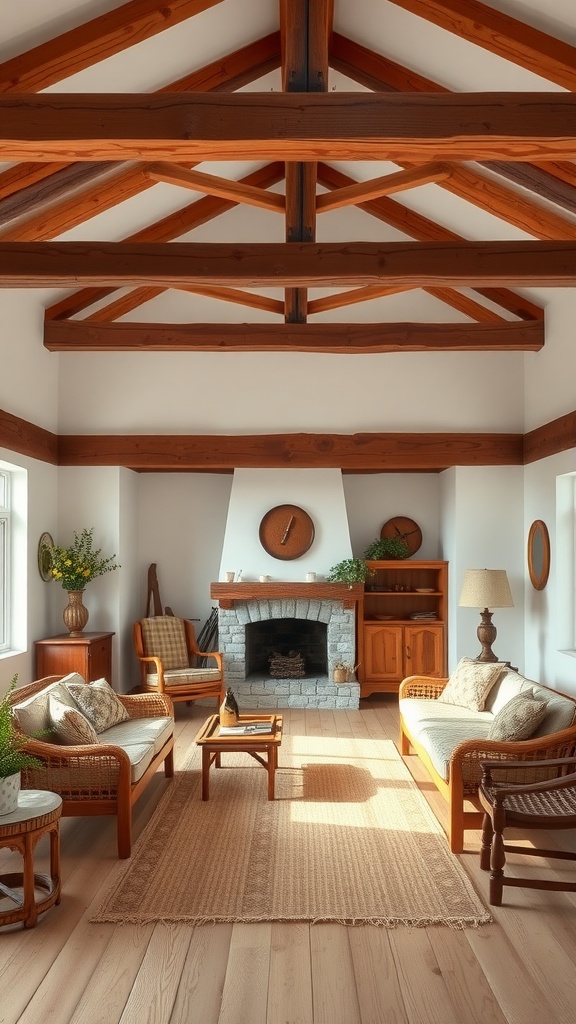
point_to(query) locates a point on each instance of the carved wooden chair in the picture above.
(170, 660)
(549, 803)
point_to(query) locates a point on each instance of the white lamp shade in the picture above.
(486, 588)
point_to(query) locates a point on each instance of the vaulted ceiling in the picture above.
(327, 124)
(87, 153)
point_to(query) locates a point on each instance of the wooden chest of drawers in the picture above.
(89, 654)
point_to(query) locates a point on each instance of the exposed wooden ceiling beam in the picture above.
(20, 435)
(557, 436)
(386, 185)
(353, 452)
(172, 226)
(213, 185)
(82, 336)
(500, 34)
(422, 228)
(229, 72)
(294, 264)
(94, 41)
(339, 126)
(305, 30)
(552, 181)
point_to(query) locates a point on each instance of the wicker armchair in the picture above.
(97, 778)
(465, 772)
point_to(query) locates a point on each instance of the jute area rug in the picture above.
(349, 838)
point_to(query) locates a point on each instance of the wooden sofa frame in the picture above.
(95, 779)
(465, 767)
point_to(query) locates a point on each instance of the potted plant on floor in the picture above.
(13, 757)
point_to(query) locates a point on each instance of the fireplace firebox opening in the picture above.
(287, 636)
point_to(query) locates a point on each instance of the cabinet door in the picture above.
(383, 652)
(424, 651)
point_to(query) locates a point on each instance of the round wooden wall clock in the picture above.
(403, 528)
(286, 532)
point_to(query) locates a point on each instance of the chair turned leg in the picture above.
(497, 862)
(487, 834)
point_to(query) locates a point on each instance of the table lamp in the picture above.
(484, 589)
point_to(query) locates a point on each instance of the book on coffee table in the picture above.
(245, 728)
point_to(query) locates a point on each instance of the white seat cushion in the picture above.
(153, 731)
(440, 727)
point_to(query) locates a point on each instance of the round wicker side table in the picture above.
(38, 814)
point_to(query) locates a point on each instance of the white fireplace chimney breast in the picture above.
(254, 491)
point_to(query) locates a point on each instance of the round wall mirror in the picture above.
(538, 554)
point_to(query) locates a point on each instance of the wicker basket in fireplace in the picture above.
(287, 666)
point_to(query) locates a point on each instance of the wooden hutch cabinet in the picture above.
(402, 624)
(89, 654)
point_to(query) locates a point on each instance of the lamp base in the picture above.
(486, 634)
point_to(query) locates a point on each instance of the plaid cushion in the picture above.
(163, 637)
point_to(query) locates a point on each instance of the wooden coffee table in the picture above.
(263, 747)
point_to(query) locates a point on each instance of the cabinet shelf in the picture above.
(392, 644)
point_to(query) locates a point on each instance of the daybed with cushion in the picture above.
(484, 712)
(99, 749)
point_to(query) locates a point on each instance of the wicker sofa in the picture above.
(452, 741)
(106, 777)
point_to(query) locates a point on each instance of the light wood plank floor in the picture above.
(519, 970)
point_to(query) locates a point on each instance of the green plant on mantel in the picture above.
(349, 570)
(13, 758)
(386, 548)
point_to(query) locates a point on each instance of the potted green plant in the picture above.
(349, 570)
(13, 757)
(384, 548)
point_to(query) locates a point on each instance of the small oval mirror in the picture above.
(538, 554)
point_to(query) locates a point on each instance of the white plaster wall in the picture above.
(90, 497)
(373, 498)
(482, 511)
(548, 375)
(549, 494)
(255, 491)
(181, 521)
(28, 372)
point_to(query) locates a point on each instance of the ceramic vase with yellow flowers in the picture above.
(73, 568)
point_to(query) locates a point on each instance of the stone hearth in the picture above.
(242, 604)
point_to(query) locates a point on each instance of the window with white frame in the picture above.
(5, 536)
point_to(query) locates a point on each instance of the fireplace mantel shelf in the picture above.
(229, 593)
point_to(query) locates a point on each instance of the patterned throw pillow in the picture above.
(98, 702)
(470, 683)
(69, 724)
(518, 719)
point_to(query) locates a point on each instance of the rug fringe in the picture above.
(380, 922)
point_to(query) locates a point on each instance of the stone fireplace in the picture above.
(316, 619)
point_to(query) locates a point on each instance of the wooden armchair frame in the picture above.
(549, 803)
(179, 692)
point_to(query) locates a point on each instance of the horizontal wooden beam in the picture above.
(18, 435)
(352, 452)
(404, 127)
(557, 436)
(287, 264)
(81, 336)
(356, 452)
